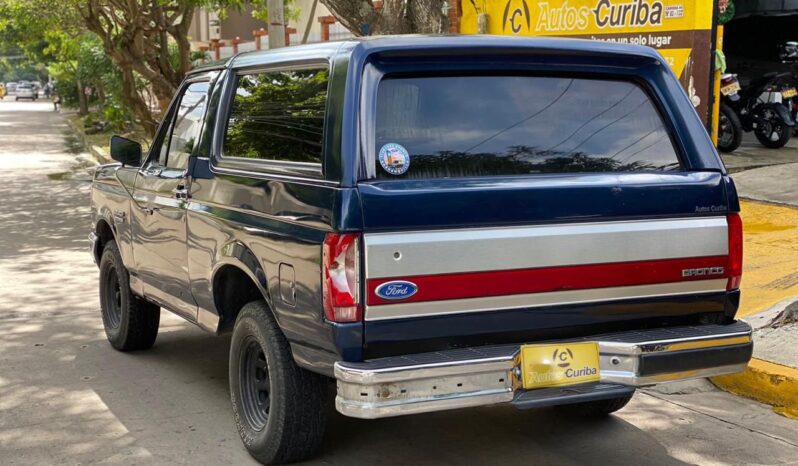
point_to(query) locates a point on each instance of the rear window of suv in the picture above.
(463, 126)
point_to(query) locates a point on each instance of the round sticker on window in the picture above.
(394, 159)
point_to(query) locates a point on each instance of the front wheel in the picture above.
(730, 130)
(771, 131)
(599, 408)
(130, 322)
(278, 407)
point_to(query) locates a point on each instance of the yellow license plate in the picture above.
(787, 93)
(733, 87)
(550, 365)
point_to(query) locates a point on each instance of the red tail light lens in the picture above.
(341, 278)
(735, 251)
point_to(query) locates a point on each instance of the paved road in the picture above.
(67, 398)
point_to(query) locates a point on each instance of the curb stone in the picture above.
(97, 152)
(765, 382)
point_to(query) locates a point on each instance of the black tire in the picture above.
(598, 408)
(775, 134)
(130, 322)
(730, 130)
(279, 408)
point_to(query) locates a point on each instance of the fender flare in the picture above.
(103, 216)
(237, 254)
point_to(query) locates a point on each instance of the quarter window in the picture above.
(278, 116)
(458, 126)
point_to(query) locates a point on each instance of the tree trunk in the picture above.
(101, 94)
(136, 35)
(83, 104)
(395, 16)
(139, 107)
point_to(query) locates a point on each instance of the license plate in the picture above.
(787, 93)
(730, 88)
(550, 365)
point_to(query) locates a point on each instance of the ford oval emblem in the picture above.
(396, 290)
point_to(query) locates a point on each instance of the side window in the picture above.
(278, 115)
(176, 150)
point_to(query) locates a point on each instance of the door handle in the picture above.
(149, 210)
(181, 192)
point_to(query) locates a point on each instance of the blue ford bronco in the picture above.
(427, 223)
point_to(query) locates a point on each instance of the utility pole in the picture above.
(276, 24)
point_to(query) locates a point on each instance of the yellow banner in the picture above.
(680, 30)
(585, 17)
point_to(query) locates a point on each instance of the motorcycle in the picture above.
(758, 107)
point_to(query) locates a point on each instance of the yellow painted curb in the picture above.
(765, 382)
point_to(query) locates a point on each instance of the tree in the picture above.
(44, 31)
(367, 17)
(137, 35)
(145, 39)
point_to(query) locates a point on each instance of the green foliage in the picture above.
(260, 12)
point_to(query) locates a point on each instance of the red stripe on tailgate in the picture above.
(546, 279)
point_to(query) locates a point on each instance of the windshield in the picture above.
(457, 126)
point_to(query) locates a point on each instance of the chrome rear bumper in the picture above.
(479, 376)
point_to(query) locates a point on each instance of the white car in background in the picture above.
(26, 91)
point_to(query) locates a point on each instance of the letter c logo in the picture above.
(518, 17)
(515, 27)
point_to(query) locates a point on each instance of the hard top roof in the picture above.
(419, 43)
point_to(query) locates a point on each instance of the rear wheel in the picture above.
(771, 130)
(278, 407)
(730, 130)
(130, 322)
(599, 408)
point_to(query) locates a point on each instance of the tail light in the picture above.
(735, 251)
(341, 278)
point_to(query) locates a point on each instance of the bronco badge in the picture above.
(396, 290)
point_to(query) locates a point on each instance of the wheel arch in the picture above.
(237, 279)
(104, 233)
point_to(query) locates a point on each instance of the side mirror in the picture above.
(125, 151)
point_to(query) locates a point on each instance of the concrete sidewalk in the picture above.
(770, 281)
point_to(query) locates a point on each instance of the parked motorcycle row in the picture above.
(768, 106)
(765, 106)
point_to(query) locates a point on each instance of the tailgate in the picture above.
(615, 252)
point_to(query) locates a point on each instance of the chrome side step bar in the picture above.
(479, 376)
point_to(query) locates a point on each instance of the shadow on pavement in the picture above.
(171, 405)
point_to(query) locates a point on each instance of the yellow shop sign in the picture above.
(680, 30)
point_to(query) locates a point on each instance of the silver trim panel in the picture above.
(483, 249)
(500, 303)
(404, 385)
